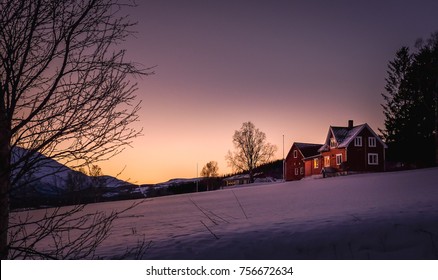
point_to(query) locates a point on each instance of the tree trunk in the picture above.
(5, 172)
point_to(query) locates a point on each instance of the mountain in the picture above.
(50, 183)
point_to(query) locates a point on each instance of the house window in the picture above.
(338, 159)
(327, 161)
(358, 141)
(296, 171)
(371, 141)
(295, 154)
(332, 143)
(301, 170)
(373, 159)
(316, 163)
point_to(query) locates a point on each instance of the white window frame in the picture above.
(295, 153)
(373, 159)
(296, 171)
(301, 170)
(358, 141)
(372, 142)
(338, 159)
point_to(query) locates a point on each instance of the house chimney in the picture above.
(350, 124)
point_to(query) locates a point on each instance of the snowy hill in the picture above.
(368, 216)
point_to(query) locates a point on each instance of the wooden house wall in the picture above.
(293, 163)
(358, 156)
(310, 168)
(332, 154)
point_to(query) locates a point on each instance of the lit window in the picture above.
(332, 143)
(371, 141)
(327, 161)
(373, 159)
(316, 162)
(338, 159)
(358, 141)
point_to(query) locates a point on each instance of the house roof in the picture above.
(308, 149)
(344, 135)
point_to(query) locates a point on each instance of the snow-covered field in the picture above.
(367, 216)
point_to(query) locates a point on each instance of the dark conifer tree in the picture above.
(410, 106)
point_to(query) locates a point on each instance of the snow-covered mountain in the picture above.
(50, 172)
(49, 178)
(35, 169)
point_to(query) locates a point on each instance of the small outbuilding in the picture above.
(240, 179)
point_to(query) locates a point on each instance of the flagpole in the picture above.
(284, 177)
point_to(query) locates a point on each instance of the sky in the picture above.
(293, 68)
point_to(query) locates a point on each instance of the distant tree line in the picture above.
(272, 169)
(411, 105)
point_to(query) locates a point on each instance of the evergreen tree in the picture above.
(395, 105)
(410, 108)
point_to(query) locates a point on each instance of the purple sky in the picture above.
(291, 67)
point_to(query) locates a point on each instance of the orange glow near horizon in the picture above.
(292, 69)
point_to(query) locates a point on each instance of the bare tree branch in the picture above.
(65, 92)
(70, 232)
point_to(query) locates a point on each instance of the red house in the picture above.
(295, 169)
(346, 149)
(353, 148)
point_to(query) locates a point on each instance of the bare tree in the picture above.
(96, 175)
(210, 171)
(251, 149)
(64, 87)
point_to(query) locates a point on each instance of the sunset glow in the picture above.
(293, 68)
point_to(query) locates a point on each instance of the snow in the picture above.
(45, 170)
(50, 177)
(348, 135)
(366, 216)
(178, 181)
